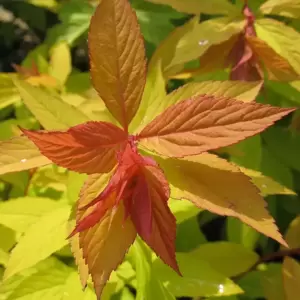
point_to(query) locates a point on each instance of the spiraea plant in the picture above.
(151, 152)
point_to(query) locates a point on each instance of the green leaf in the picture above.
(183, 209)
(19, 180)
(199, 278)
(293, 232)
(8, 92)
(148, 287)
(74, 185)
(251, 283)
(284, 144)
(281, 38)
(51, 4)
(291, 278)
(286, 8)
(60, 62)
(18, 214)
(238, 232)
(190, 41)
(50, 110)
(18, 154)
(7, 241)
(43, 238)
(214, 7)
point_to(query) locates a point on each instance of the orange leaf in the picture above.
(214, 184)
(205, 123)
(105, 245)
(152, 194)
(277, 67)
(85, 148)
(117, 56)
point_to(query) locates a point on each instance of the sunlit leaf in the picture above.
(281, 38)
(287, 8)
(85, 148)
(195, 178)
(291, 278)
(8, 92)
(205, 123)
(40, 240)
(199, 278)
(18, 214)
(183, 209)
(213, 7)
(50, 111)
(19, 154)
(60, 62)
(117, 57)
(293, 233)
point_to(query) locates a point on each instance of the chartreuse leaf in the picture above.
(18, 214)
(117, 57)
(60, 62)
(192, 40)
(286, 8)
(205, 123)
(8, 240)
(91, 146)
(148, 286)
(204, 180)
(8, 92)
(199, 278)
(196, 7)
(18, 154)
(50, 111)
(74, 184)
(154, 94)
(293, 233)
(40, 240)
(51, 4)
(153, 104)
(291, 278)
(182, 209)
(238, 232)
(281, 38)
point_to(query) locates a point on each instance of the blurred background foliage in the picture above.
(45, 41)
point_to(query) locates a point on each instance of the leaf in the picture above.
(110, 238)
(204, 180)
(205, 123)
(229, 259)
(199, 278)
(74, 184)
(85, 148)
(190, 41)
(267, 185)
(40, 240)
(286, 8)
(283, 39)
(154, 94)
(50, 111)
(18, 154)
(277, 67)
(60, 62)
(291, 278)
(213, 7)
(18, 214)
(155, 191)
(182, 210)
(117, 56)
(292, 233)
(148, 287)
(51, 4)
(8, 93)
(8, 240)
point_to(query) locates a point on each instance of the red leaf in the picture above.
(149, 208)
(205, 123)
(85, 148)
(117, 56)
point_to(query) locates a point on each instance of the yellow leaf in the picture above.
(117, 57)
(286, 8)
(220, 187)
(293, 233)
(43, 80)
(283, 39)
(18, 154)
(191, 41)
(267, 185)
(60, 62)
(51, 4)
(291, 278)
(8, 92)
(195, 7)
(277, 67)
